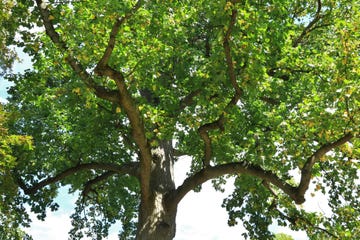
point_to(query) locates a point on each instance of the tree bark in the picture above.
(157, 221)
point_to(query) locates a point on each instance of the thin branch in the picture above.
(114, 31)
(307, 169)
(89, 184)
(99, 91)
(284, 72)
(189, 99)
(229, 61)
(271, 101)
(310, 26)
(204, 134)
(293, 220)
(126, 168)
(231, 168)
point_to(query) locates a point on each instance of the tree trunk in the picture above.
(157, 221)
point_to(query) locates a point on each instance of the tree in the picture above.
(10, 217)
(283, 236)
(7, 34)
(250, 89)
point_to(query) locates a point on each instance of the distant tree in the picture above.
(283, 236)
(251, 89)
(11, 215)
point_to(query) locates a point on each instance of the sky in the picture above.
(200, 215)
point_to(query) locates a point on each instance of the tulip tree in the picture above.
(265, 91)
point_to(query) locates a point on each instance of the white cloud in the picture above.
(55, 227)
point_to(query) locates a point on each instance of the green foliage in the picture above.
(6, 30)
(11, 204)
(296, 64)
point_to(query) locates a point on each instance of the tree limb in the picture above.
(230, 168)
(203, 132)
(295, 193)
(306, 170)
(99, 91)
(122, 96)
(131, 168)
(138, 129)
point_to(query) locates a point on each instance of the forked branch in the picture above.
(99, 91)
(122, 96)
(232, 169)
(268, 177)
(307, 169)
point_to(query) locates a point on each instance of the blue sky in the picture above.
(200, 215)
(19, 67)
(3, 88)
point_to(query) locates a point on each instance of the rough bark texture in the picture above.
(157, 221)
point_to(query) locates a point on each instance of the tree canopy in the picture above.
(266, 91)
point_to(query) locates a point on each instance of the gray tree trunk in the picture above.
(157, 222)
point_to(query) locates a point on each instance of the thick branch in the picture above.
(306, 170)
(231, 168)
(127, 168)
(99, 91)
(310, 26)
(138, 130)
